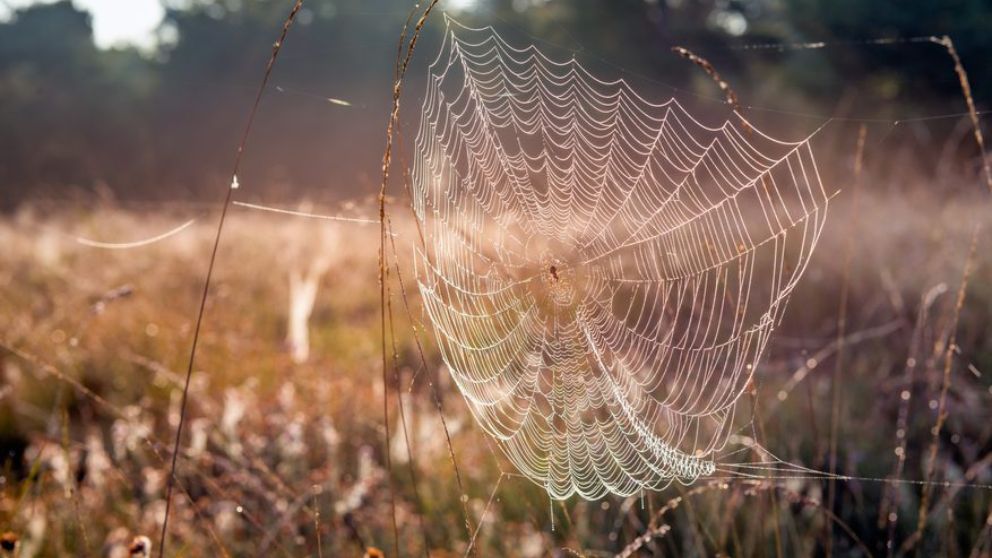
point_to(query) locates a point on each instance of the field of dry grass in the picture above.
(285, 456)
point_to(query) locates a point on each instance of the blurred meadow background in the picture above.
(119, 121)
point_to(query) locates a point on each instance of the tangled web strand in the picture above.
(602, 273)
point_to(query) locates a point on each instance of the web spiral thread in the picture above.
(601, 273)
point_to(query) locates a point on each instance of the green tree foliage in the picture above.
(164, 124)
(67, 110)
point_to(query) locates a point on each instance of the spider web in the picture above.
(601, 272)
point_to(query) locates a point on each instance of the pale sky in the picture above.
(115, 22)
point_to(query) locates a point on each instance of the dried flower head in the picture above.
(9, 542)
(140, 547)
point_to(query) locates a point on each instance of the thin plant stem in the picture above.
(931, 462)
(276, 47)
(965, 83)
(734, 102)
(845, 288)
(890, 497)
(316, 524)
(402, 413)
(400, 69)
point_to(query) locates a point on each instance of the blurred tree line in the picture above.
(78, 120)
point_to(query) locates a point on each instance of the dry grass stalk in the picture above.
(74, 484)
(276, 47)
(150, 441)
(947, 43)
(835, 407)
(402, 64)
(436, 397)
(728, 92)
(411, 460)
(482, 519)
(980, 550)
(931, 462)
(890, 496)
(965, 83)
(734, 102)
(710, 70)
(316, 521)
(397, 135)
(656, 529)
